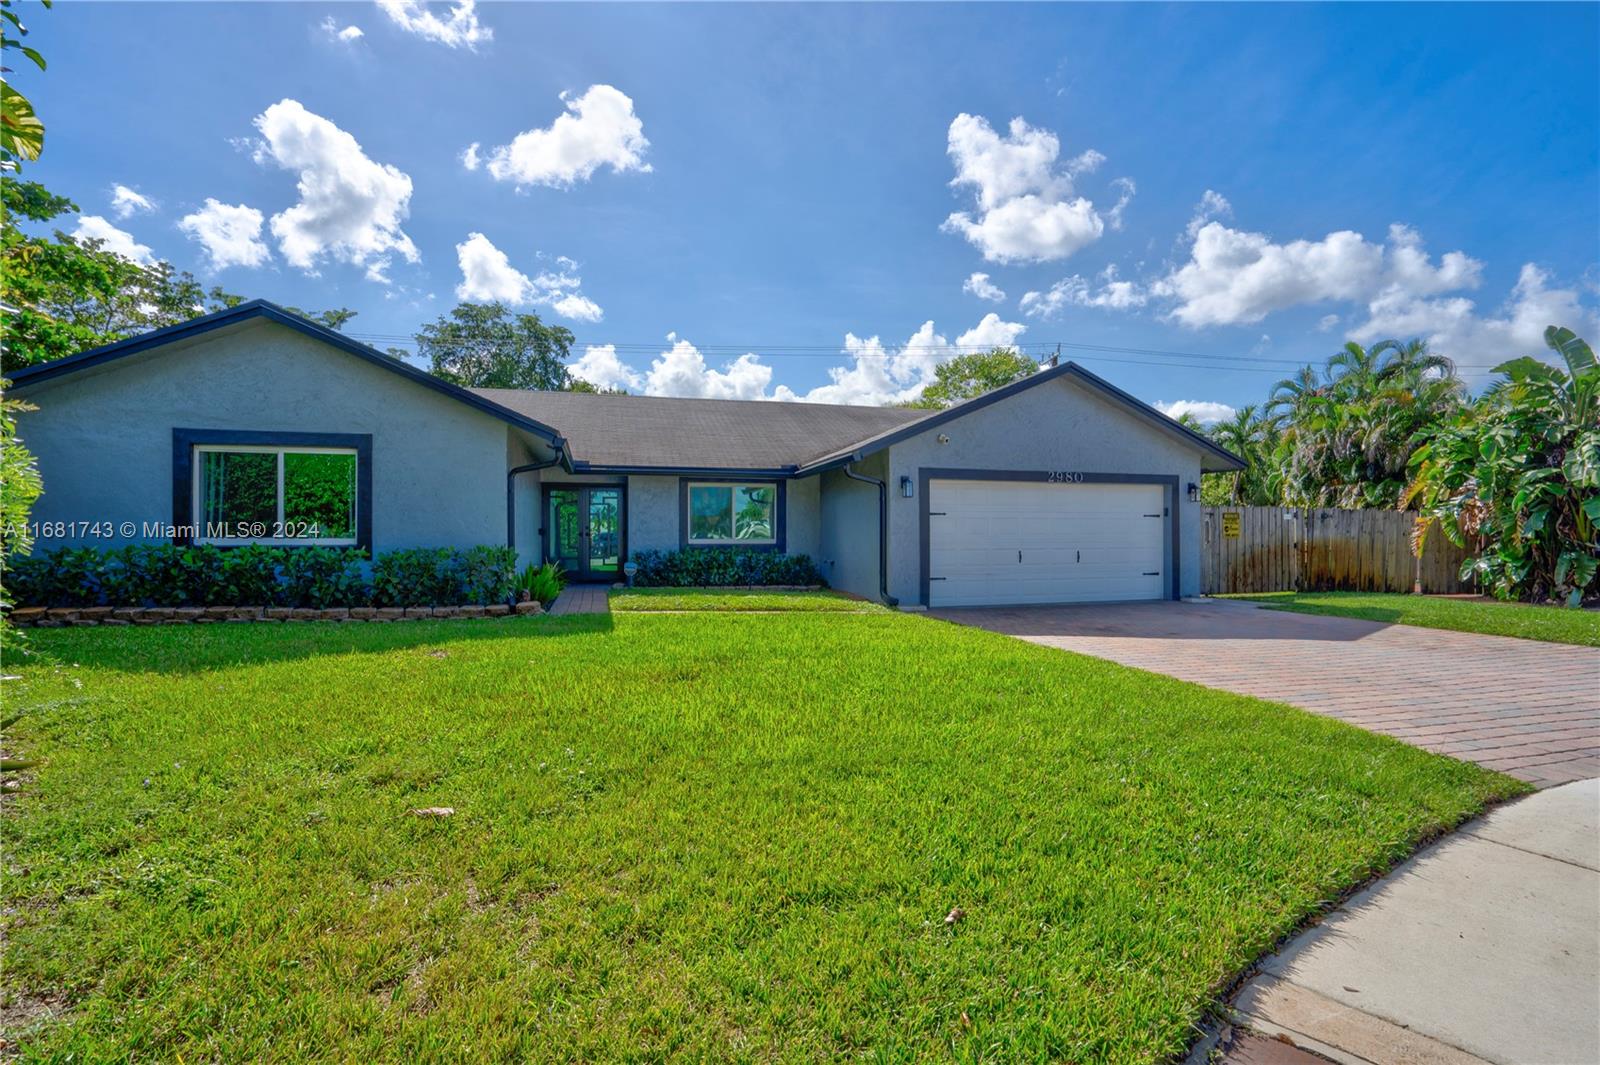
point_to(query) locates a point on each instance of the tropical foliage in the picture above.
(542, 583)
(1516, 477)
(710, 567)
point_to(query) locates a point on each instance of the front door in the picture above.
(584, 531)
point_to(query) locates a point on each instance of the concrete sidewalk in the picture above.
(1484, 947)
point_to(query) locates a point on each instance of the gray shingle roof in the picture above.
(641, 431)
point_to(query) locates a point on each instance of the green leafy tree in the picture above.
(966, 376)
(483, 345)
(578, 384)
(1253, 437)
(1516, 477)
(21, 130)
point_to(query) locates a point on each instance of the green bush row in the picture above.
(710, 567)
(170, 575)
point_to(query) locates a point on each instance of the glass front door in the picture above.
(584, 531)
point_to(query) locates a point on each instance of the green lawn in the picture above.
(1548, 623)
(645, 599)
(676, 836)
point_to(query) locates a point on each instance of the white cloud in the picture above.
(1077, 291)
(599, 129)
(1205, 411)
(1327, 322)
(600, 366)
(345, 35)
(487, 276)
(470, 158)
(125, 202)
(1234, 276)
(460, 29)
(1026, 208)
(1125, 190)
(878, 375)
(117, 241)
(1453, 328)
(230, 234)
(682, 371)
(980, 286)
(350, 207)
(1212, 205)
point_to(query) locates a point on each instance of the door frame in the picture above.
(925, 474)
(583, 574)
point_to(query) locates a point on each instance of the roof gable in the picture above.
(1222, 459)
(195, 327)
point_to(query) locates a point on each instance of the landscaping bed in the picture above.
(1490, 617)
(738, 599)
(671, 836)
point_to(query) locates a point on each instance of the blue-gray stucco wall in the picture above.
(103, 436)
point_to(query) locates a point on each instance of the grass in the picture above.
(1547, 623)
(676, 836)
(647, 599)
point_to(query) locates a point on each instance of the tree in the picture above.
(1253, 438)
(482, 345)
(966, 376)
(1517, 476)
(21, 131)
(578, 384)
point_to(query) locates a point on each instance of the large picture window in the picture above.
(261, 494)
(733, 514)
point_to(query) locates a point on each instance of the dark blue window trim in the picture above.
(781, 517)
(183, 445)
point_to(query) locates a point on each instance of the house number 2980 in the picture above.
(1063, 477)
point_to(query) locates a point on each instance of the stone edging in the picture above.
(56, 617)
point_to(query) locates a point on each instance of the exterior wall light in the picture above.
(941, 438)
(1194, 492)
(907, 488)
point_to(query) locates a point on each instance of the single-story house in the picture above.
(255, 425)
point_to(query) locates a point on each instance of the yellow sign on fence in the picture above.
(1230, 524)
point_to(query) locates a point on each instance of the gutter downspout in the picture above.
(883, 529)
(511, 490)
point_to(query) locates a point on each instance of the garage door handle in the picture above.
(1019, 556)
(1080, 557)
(1153, 573)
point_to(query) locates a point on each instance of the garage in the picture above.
(1045, 539)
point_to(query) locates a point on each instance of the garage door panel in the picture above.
(995, 542)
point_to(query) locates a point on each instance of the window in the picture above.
(275, 495)
(733, 513)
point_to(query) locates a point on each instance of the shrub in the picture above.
(206, 575)
(705, 567)
(542, 583)
(443, 576)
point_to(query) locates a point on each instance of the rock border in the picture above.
(56, 617)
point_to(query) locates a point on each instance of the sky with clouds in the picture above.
(824, 202)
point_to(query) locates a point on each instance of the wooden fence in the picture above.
(1280, 549)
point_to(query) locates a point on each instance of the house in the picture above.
(254, 425)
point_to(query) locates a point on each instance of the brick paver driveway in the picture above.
(1526, 708)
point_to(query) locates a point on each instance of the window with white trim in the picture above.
(733, 514)
(252, 494)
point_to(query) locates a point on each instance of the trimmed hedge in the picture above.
(312, 577)
(711, 567)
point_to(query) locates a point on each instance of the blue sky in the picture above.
(682, 185)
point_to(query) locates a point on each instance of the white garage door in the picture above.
(995, 542)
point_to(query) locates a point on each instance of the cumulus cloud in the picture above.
(125, 202)
(600, 366)
(488, 276)
(1234, 276)
(1205, 411)
(230, 234)
(350, 208)
(114, 240)
(879, 375)
(460, 28)
(980, 286)
(1454, 328)
(344, 35)
(1078, 291)
(1026, 209)
(470, 157)
(599, 129)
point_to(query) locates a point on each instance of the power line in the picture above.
(1043, 347)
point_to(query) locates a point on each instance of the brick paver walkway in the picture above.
(1526, 708)
(581, 599)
